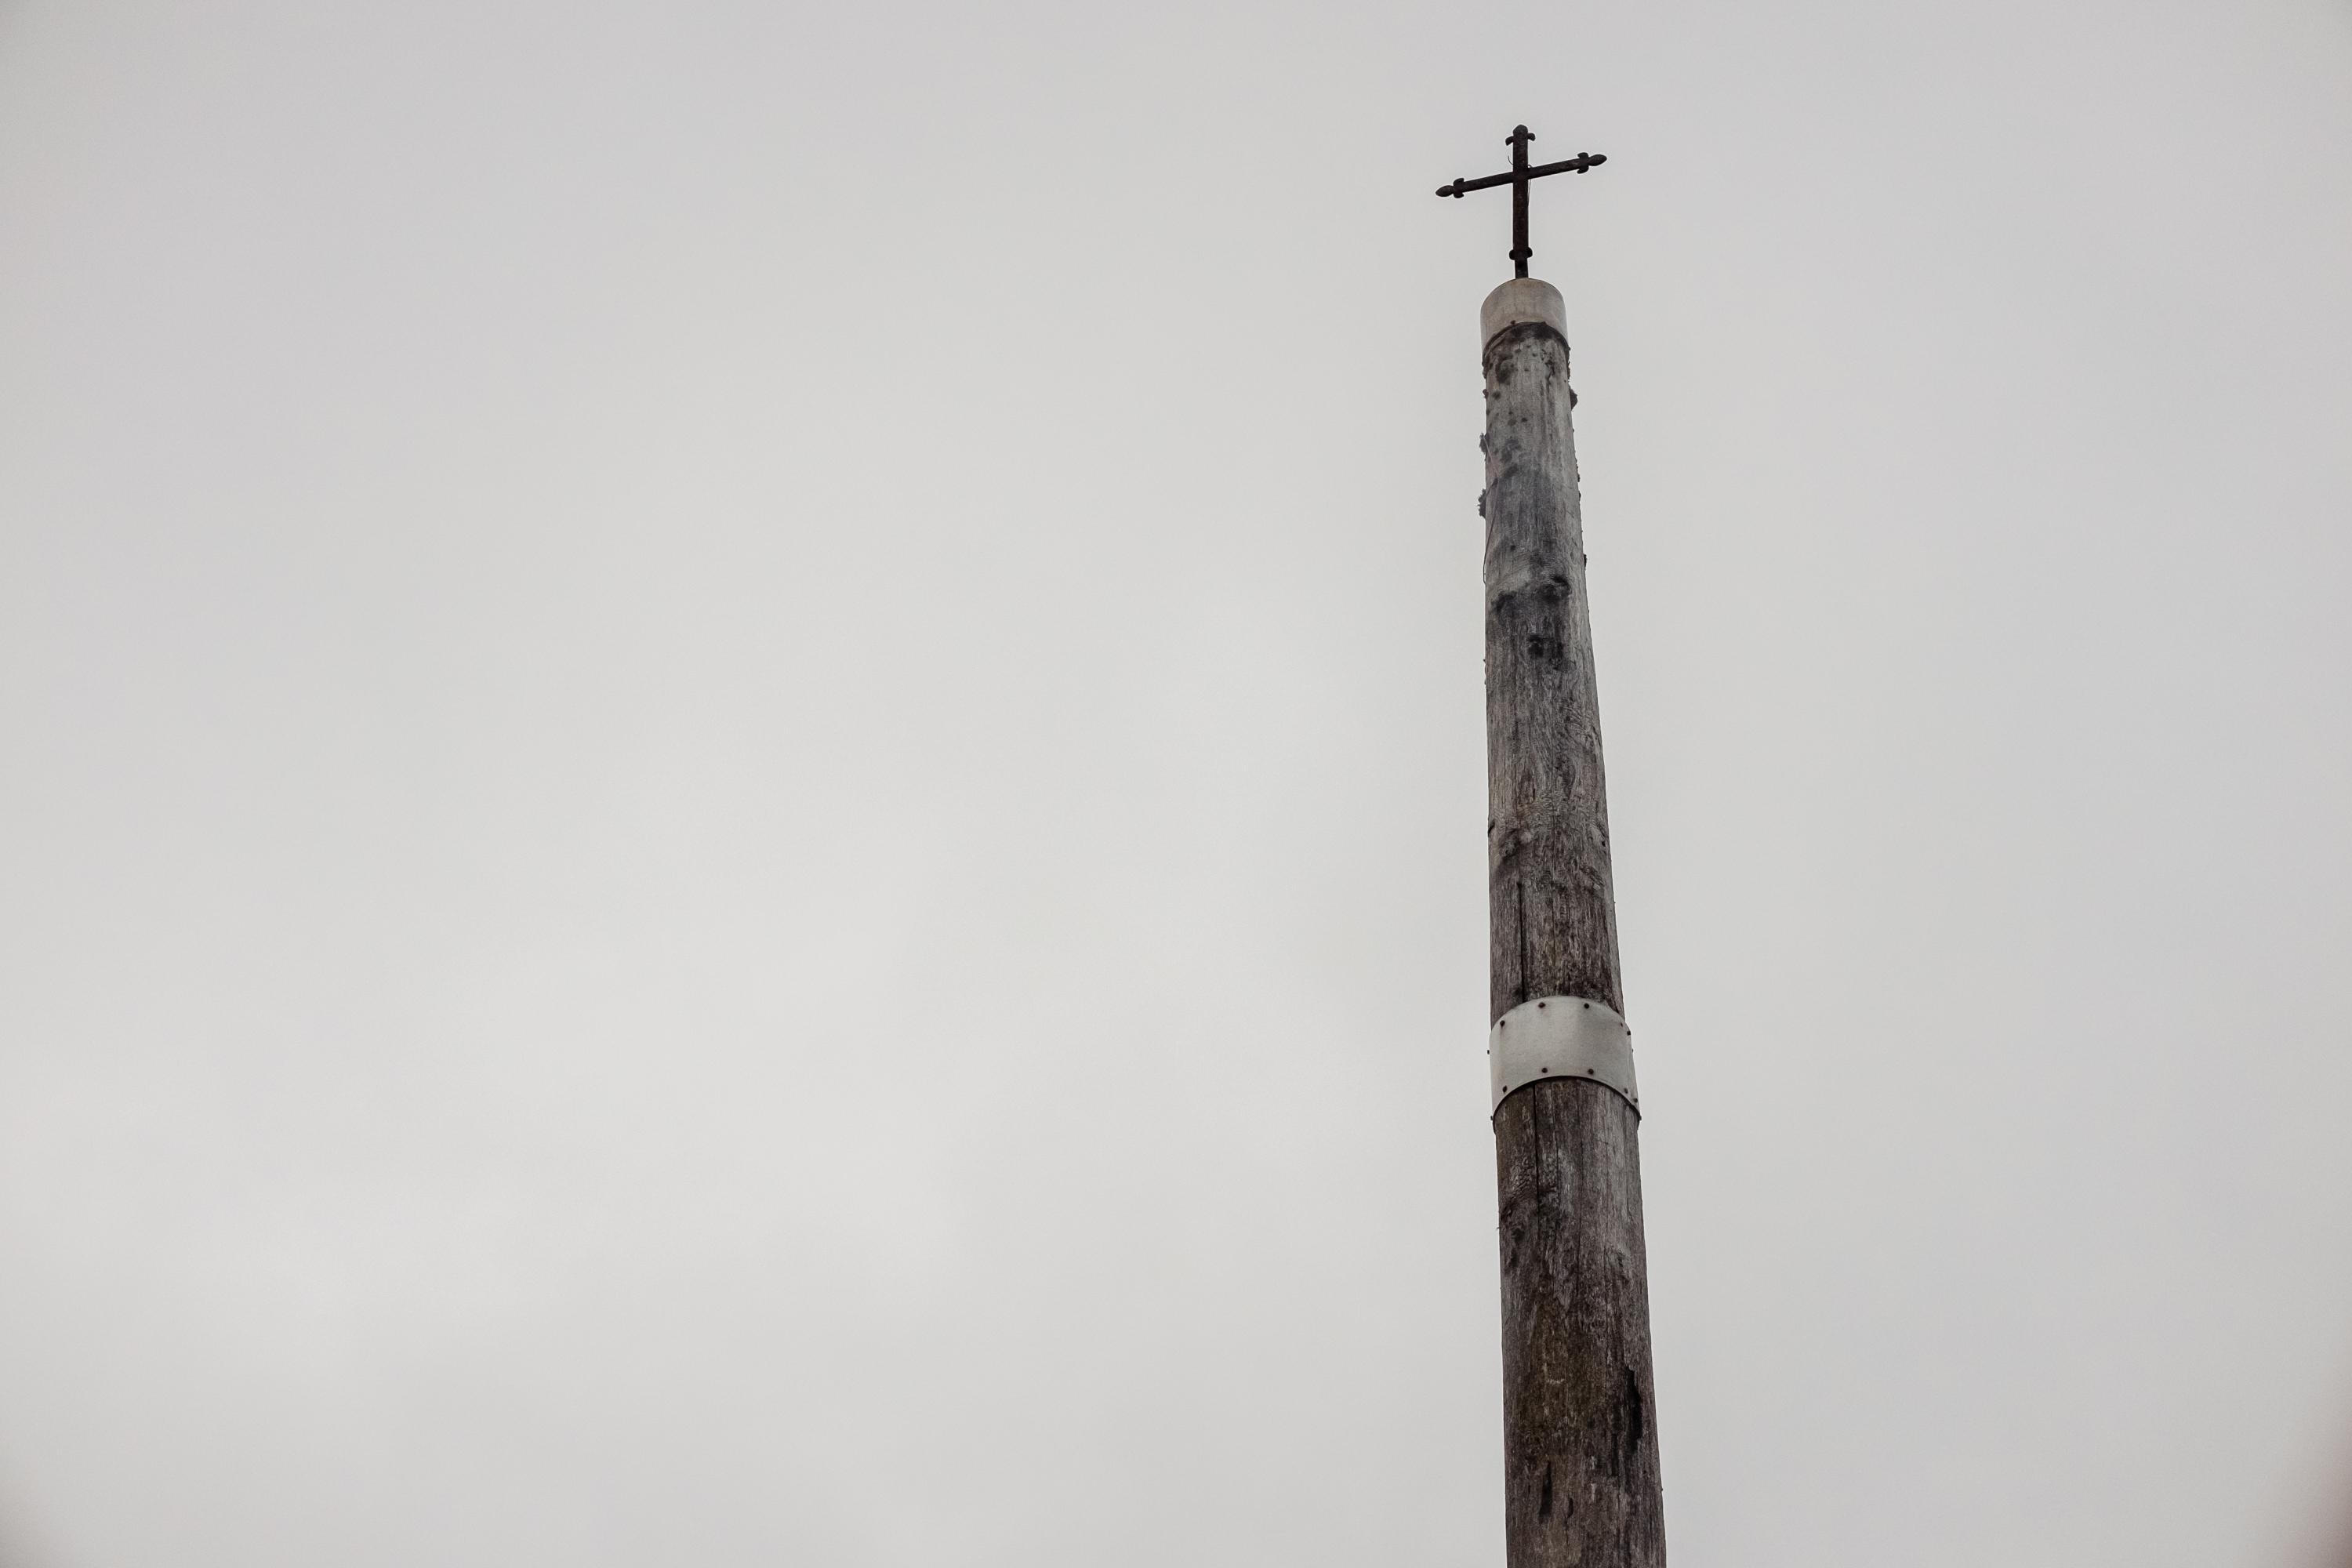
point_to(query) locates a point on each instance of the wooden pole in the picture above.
(1579, 1433)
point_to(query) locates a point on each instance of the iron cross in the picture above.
(1518, 180)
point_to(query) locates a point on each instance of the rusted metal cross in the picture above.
(1521, 172)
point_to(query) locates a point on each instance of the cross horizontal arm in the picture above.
(1576, 165)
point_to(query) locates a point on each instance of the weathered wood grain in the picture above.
(1581, 1454)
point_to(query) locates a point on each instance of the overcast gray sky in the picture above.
(742, 784)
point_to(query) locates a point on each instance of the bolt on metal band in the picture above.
(1562, 1037)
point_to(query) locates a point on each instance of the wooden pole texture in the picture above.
(1579, 1432)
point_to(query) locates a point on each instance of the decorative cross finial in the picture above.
(1518, 180)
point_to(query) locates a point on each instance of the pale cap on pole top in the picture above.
(1522, 300)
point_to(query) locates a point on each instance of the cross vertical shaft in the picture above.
(1520, 250)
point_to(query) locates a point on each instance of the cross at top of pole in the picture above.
(1518, 180)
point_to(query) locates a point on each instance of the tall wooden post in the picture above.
(1580, 1430)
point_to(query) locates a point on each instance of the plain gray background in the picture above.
(742, 797)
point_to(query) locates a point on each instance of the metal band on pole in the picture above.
(1562, 1037)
